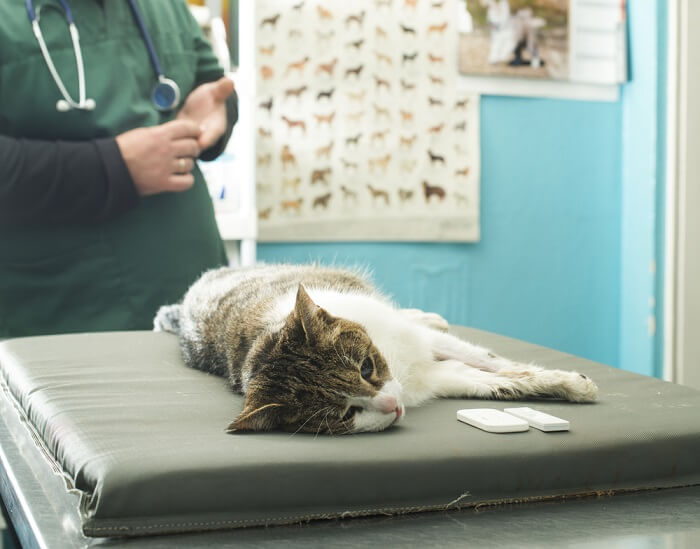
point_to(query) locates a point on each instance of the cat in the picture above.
(321, 350)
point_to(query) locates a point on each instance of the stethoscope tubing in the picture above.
(147, 39)
(34, 15)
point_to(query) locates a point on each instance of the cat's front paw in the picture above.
(431, 320)
(580, 388)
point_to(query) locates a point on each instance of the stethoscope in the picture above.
(165, 95)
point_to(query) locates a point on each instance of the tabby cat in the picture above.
(321, 350)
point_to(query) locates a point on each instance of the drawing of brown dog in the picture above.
(348, 195)
(322, 201)
(295, 124)
(407, 142)
(433, 190)
(325, 152)
(378, 194)
(296, 92)
(319, 176)
(354, 70)
(292, 184)
(272, 21)
(297, 65)
(324, 118)
(440, 29)
(294, 205)
(380, 162)
(287, 157)
(323, 13)
(327, 68)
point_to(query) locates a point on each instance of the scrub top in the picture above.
(112, 274)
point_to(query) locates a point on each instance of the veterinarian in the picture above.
(104, 215)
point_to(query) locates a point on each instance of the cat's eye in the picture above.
(351, 413)
(367, 369)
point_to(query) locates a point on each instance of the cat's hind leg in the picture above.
(431, 320)
(447, 347)
(168, 318)
(449, 378)
(511, 380)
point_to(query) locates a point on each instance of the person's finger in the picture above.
(182, 165)
(180, 182)
(182, 127)
(186, 147)
(222, 88)
(208, 138)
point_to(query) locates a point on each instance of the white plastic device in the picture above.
(493, 421)
(539, 420)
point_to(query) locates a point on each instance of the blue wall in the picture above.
(563, 237)
(642, 177)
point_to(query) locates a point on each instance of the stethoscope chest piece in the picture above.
(166, 94)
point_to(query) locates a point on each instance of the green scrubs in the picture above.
(113, 275)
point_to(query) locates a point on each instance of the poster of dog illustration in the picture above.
(361, 131)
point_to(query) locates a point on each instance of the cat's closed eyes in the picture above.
(320, 350)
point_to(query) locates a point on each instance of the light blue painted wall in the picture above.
(571, 193)
(661, 100)
(643, 139)
(547, 267)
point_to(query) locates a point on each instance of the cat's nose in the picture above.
(386, 404)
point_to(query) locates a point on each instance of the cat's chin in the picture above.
(372, 421)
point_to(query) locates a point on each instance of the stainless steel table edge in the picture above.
(43, 513)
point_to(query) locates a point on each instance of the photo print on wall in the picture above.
(574, 40)
(361, 133)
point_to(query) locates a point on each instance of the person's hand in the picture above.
(160, 158)
(206, 106)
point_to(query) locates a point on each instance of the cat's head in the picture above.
(318, 374)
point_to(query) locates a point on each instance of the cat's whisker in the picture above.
(325, 418)
(330, 430)
(309, 419)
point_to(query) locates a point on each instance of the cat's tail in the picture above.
(167, 319)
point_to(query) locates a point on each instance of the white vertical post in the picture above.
(247, 112)
(671, 208)
(686, 294)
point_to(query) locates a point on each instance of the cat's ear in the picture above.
(308, 315)
(263, 418)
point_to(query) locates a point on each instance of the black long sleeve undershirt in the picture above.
(52, 182)
(65, 182)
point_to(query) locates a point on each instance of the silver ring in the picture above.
(182, 164)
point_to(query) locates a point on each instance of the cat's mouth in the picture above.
(368, 420)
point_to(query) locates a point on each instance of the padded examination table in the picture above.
(141, 439)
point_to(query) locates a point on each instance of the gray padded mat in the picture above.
(142, 437)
